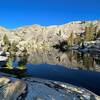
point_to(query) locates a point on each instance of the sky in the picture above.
(16, 13)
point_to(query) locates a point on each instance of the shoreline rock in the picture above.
(40, 89)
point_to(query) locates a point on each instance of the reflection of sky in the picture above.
(14, 13)
(15, 63)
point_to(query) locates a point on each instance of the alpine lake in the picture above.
(72, 66)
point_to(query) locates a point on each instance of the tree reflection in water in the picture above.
(85, 61)
(16, 64)
(69, 59)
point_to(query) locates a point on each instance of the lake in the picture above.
(77, 68)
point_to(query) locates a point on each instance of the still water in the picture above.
(69, 59)
(77, 68)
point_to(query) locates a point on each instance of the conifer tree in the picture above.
(71, 39)
(89, 33)
(98, 34)
(6, 40)
(7, 43)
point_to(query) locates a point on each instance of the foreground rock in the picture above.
(11, 90)
(38, 89)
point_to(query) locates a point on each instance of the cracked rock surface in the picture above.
(39, 89)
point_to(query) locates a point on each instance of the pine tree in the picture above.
(71, 40)
(78, 40)
(89, 33)
(7, 43)
(14, 47)
(98, 34)
(6, 40)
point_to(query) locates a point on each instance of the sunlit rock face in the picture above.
(4, 80)
(38, 89)
(36, 36)
(11, 89)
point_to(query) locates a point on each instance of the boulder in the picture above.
(40, 89)
(11, 89)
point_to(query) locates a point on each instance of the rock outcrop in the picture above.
(39, 89)
(36, 36)
(11, 90)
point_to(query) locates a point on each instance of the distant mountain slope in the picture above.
(35, 36)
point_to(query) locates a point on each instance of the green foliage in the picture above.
(10, 63)
(59, 34)
(71, 40)
(14, 47)
(7, 43)
(98, 34)
(6, 40)
(23, 60)
(78, 40)
(89, 35)
(89, 32)
(21, 67)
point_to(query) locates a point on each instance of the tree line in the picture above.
(90, 34)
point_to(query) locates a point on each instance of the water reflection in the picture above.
(15, 64)
(45, 64)
(69, 59)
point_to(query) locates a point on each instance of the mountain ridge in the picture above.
(36, 36)
(28, 25)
